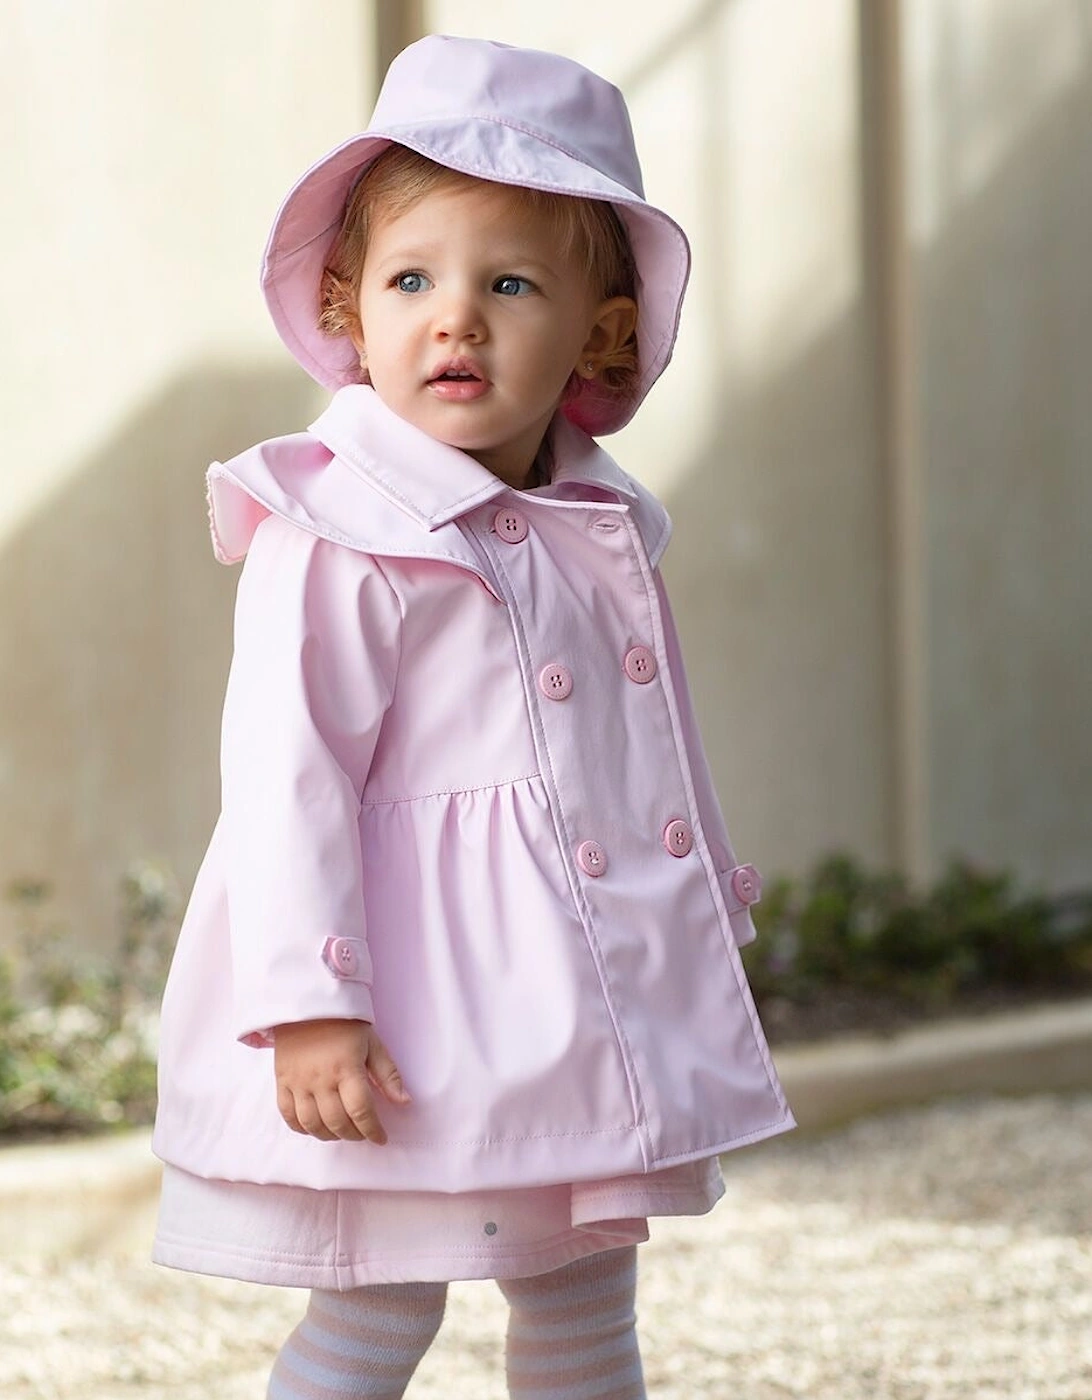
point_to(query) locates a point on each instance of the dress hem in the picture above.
(300, 1238)
(200, 1258)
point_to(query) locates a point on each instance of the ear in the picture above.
(612, 327)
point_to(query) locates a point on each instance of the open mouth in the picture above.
(460, 381)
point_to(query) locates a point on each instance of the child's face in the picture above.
(472, 321)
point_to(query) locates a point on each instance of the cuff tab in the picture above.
(742, 887)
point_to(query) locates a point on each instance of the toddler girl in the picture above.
(458, 992)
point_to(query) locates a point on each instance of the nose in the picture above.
(458, 316)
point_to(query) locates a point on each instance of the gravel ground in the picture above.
(927, 1255)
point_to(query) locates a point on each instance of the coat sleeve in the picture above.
(317, 632)
(709, 811)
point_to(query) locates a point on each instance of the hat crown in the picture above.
(440, 80)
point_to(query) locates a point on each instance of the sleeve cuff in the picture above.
(339, 991)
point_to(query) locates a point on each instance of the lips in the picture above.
(458, 380)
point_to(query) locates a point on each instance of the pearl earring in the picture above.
(589, 368)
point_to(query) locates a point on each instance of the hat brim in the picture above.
(310, 218)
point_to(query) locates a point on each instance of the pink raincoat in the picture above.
(464, 797)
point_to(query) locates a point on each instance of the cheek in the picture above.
(379, 342)
(372, 315)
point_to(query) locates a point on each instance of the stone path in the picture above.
(935, 1254)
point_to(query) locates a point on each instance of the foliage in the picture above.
(78, 1035)
(971, 934)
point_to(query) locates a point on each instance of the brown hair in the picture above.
(399, 177)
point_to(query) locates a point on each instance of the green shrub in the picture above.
(78, 1035)
(847, 930)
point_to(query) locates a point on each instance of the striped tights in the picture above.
(570, 1337)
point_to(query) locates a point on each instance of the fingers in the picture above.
(286, 1103)
(346, 1113)
(383, 1073)
(305, 1113)
(325, 1073)
(359, 1103)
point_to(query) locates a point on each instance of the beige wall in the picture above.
(1000, 186)
(147, 147)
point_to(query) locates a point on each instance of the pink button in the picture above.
(591, 858)
(510, 525)
(678, 838)
(640, 664)
(556, 682)
(340, 956)
(747, 884)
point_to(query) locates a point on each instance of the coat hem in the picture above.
(784, 1124)
(199, 1165)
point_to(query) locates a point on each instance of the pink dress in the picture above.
(297, 1237)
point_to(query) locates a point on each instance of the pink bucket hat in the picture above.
(515, 116)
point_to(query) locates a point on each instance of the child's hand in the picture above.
(325, 1073)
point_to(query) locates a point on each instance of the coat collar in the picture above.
(364, 478)
(433, 483)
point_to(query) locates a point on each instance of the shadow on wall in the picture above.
(777, 580)
(780, 573)
(115, 628)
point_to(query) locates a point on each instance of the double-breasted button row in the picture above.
(678, 839)
(511, 524)
(556, 681)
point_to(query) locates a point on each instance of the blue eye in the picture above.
(411, 282)
(513, 286)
